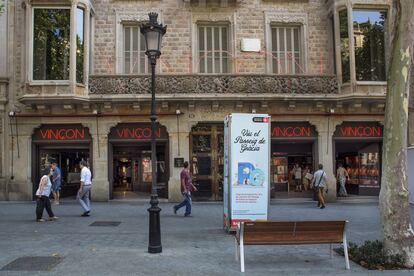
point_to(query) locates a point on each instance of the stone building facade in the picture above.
(80, 89)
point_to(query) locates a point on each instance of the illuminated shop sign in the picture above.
(137, 132)
(359, 130)
(294, 129)
(61, 133)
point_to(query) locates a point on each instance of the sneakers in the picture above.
(53, 218)
(85, 214)
(187, 215)
(40, 220)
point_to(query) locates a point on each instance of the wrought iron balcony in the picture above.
(214, 84)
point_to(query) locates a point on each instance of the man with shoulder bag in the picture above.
(319, 183)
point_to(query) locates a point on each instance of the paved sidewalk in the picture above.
(191, 246)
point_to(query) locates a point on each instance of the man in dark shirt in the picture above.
(187, 188)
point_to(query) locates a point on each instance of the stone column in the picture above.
(20, 186)
(326, 127)
(178, 140)
(99, 160)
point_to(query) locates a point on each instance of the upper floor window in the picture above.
(368, 37)
(135, 60)
(213, 49)
(344, 42)
(287, 50)
(80, 44)
(369, 33)
(51, 47)
(51, 44)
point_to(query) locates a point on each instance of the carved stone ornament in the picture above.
(127, 15)
(285, 17)
(213, 84)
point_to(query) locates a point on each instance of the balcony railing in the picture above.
(213, 84)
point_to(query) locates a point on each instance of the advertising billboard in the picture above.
(246, 168)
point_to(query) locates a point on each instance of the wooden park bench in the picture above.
(290, 233)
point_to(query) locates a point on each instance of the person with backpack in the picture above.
(319, 183)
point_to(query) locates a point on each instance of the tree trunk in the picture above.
(394, 203)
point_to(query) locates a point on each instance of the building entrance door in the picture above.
(206, 147)
(131, 174)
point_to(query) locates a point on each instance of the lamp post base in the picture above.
(154, 245)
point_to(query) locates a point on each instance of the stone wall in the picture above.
(247, 18)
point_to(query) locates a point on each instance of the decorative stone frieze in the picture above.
(213, 84)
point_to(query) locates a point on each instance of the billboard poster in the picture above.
(248, 167)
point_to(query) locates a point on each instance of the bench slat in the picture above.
(299, 237)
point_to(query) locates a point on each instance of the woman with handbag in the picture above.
(42, 194)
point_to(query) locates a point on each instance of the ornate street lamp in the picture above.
(153, 33)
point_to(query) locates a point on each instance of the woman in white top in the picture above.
(42, 194)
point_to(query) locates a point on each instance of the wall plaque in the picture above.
(178, 162)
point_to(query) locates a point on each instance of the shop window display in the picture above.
(363, 168)
(282, 171)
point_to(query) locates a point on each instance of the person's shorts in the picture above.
(56, 187)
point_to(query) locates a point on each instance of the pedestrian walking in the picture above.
(187, 188)
(42, 196)
(342, 176)
(319, 183)
(306, 178)
(129, 177)
(297, 172)
(56, 183)
(85, 188)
